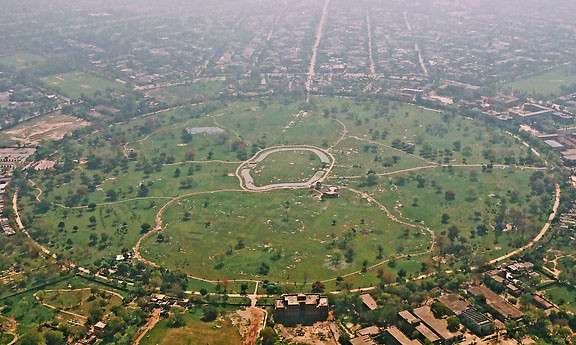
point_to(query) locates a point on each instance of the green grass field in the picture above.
(21, 61)
(290, 166)
(197, 91)
(79, 301)
(546, 84)
(293, 233)
(562, 296)
(76, 84)
(195, 332)
(216, 231)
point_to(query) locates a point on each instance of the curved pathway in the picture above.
(247, 182)
(541, 234)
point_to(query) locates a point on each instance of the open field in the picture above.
(49, 127)
(493, 212)
(175, 174)
(21, 61)
(546, 84)
(194, 332)
(292, 233)
(78, 301)
(288, 166)
(562, 296)
(76, 84)
(194, 92)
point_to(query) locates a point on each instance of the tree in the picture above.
(209, 313)
(54, 338)
(445, 218)
(177, 320)
(318, 287)
(453, 233)
(268, 336)
(263, 269)
(450, 195)
(143, 190)
(144, 228)
(453, 323)
(94, 314)
(32, 337)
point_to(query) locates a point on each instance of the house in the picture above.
(99, 328)
(455, 303)
(395, 336)
(303, 309)
(542, 302)
(439, 326)
(477, 322)
(501, 308)
(368, 301)
(332, 192)
(363, 340)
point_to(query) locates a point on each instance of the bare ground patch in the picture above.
(48, 127)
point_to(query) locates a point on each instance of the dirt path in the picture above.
(152, 321)
(21, 225)
(251, 321)
(343, 135)
(538, 237)
(395, 219)
(159, 225)
(392, 148)
(436, 166)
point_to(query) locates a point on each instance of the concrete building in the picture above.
(303, 309)
(477, 322)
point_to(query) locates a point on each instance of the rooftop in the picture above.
(496, 302)
(401, 337)
(454, 302)
(368, 301)
(440, 326)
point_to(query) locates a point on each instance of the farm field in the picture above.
(546, 84)
(167, 186)
(194, 332)
(75, 84)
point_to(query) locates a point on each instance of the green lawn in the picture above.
(287, 166)
(562, 296)
(480, 198)
(194, 92)
(290, 234)
(79, 301)
(195, 332)
(297, 236)
(76, 84)
(21, 61)
(546, 84)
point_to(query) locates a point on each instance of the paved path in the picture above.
(319, 33)
(247, 181)
(370, 45)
